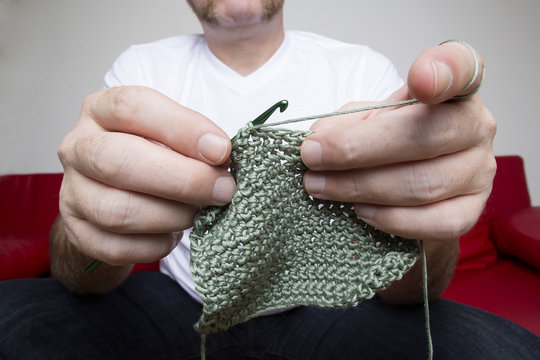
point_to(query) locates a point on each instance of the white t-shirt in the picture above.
(315, 74)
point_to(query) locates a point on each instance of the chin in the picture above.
(239, 13)
(236, 13)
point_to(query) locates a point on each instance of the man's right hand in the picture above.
(137, 167)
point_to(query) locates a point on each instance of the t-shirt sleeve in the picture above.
(126, 70)
(380, 76)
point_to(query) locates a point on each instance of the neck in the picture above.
(245, 49)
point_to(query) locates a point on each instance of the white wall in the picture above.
(54, 52)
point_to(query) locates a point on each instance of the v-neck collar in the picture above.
(246, 84)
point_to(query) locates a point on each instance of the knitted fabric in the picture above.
(274, 246)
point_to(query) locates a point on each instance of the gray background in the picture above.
(55, 52)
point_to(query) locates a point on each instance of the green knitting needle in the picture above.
(282, 105)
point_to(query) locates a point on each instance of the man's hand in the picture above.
(420, 171)
(137, 168)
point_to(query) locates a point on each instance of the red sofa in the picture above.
(498, 269)
(499, 263)
(28, 207)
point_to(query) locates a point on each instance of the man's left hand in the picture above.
(420, 171)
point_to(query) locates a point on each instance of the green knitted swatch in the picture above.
(274, 246)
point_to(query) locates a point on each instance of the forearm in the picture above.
(441, 263)
(67, 264)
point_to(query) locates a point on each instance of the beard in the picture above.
(207, 12)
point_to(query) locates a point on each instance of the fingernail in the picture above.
(224, 188)
(443, 78)
(315, 183)
(364, 212)
(213, 148)
(311, 153)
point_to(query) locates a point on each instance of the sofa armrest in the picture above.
(518, 234)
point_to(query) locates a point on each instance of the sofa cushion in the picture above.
(28, 207)
(509, 194)
(518, 234)
(509, 288)
(29, 203)
(23, 257)
(476, 250)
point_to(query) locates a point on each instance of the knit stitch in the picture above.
(275, 246)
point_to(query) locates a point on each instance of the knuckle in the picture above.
(75, 234)
(70, 202)
(66, 198)
(345, 146)
(103, 164)
(66, 149)
(491, 166)
(67, 220)
(483, 121)
(88, 102)
(485, 182)
(187, 186)
(112, 210)
(357, 188)
(428, 138)
(68, 146)
(490, 125)
(422, 186)
(125, 103)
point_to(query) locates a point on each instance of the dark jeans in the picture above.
(151, 317)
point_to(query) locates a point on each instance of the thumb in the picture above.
(445, 71)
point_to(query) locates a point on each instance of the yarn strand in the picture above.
(426, 300)
(344, 112)
(203, 347)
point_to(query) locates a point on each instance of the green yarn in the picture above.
(426, 300)
(274, 246)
